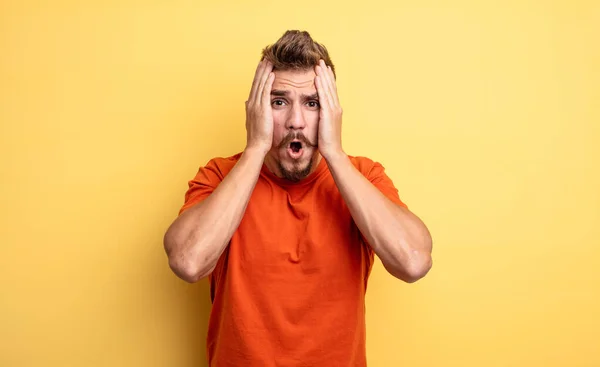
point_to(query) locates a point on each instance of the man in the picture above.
(287, 230)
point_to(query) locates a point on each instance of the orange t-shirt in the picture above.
(289, 290)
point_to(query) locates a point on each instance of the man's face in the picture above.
(295, 106)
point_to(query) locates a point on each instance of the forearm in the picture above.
(398, 237)
(196, 240)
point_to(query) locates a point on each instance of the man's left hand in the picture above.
(330, 114)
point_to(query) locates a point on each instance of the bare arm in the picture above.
(398, 237)
(197, 238)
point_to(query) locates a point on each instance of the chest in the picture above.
(303, 230)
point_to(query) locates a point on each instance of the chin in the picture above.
(295, 169)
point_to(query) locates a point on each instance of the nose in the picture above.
(295, 119)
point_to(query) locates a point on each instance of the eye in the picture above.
(278, 102)
(313, 104)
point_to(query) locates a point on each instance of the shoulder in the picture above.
(221, 166)
(375, 173)
(365, 165)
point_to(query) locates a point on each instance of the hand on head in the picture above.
(259, 115)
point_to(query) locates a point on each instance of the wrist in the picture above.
(333, 156)
(257, 150)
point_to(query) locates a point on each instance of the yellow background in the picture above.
(485, 114)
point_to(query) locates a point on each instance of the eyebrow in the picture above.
(285, 93)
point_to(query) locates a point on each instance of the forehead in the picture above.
(300, 81)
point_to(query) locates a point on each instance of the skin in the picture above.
(295, 110)
(280, 108)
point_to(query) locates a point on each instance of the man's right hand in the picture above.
(196, 239)
(259, 115)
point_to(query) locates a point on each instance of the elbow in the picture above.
(418, 269)
(184, 264)
(188, 270)
(419, 262)
(412, 271)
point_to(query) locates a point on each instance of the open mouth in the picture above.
(295, 150)
(295, 146)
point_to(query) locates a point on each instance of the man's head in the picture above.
(295, 103)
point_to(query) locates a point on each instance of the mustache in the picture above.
(297, 135)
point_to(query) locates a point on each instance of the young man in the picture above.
(287, 230)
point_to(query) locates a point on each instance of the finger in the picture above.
(266, 96)
(325, 71)
(327, 83)
(332, 77)
(325, 94)
(323, 99)
(263, 80)
(331, 86)
(334, 86)
(256, 81)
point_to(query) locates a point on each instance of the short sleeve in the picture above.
(380, 180)
(202, 185)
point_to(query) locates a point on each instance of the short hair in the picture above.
(296, 50)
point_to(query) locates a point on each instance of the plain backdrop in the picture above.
(484, 113)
